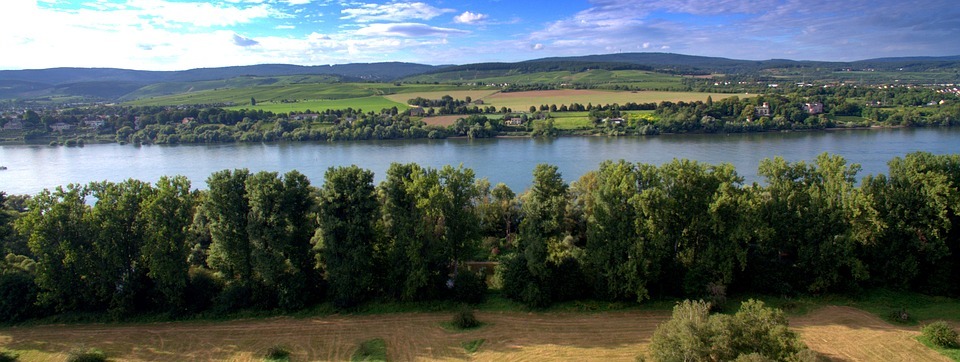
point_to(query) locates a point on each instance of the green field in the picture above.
(367, 104)
(636, 78)
(276, 93)
(521, 101)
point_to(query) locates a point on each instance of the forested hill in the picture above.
(691, 63)
(59, 76)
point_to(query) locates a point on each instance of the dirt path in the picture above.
(837, 332)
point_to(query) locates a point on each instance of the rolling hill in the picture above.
(651, 70)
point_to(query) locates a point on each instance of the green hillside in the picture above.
(285, 95)
(169, 88)
(593, 77)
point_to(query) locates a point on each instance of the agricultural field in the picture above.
(521, 101)
(836, 332)
(456, 94)
(374, 103)
(276, 93)
(635, 78)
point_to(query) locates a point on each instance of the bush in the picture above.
(9, 356)
(940, 334)
(464, 319)
(277, 354)
(203, 289)
(372, 350)
(754, 333)
(90, 355)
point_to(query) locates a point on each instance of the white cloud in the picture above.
(198, 13)
(406, 30)
(469, 18)
(297, 2)
(367, 13)
(537, 46)
(646, 45)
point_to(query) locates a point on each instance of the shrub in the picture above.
(277, 354)
(89, 355)
(900, 316)
(464, 319)
(372, 350)
(754, 333)
(940, 334)
(9, 356)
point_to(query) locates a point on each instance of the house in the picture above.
(96, 123)
(60, 127)
(416, 112)
(615, 121)
(813, 108)
(13, 124)
(764, 110)
(306, 116)
(515, 121)
(478, 102)
(187, 120)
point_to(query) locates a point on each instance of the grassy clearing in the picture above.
(951, 353)
(372, 350)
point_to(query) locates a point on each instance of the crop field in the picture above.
(836, 332)
(375, 103)
(636, 78)
(521, 101)
(456, 94)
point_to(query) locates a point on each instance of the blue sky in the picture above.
(184, 34)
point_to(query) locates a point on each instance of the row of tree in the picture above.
(623, 232)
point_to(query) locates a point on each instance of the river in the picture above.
(31, 168)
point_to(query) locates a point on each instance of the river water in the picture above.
(31, 168)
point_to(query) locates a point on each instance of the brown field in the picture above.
(838, 332)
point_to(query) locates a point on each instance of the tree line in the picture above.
(626, 231)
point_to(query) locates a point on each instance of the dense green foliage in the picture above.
(693, 334)
(625, 232)
(941, 334)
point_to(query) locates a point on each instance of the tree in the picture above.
(167, 216)
(530, 276)
(347, 214)
(119, 279)
(811, 223)
(226, 208)
(59, 235)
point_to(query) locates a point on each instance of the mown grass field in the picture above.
(456, 94)
(836, 332)
(839, 328)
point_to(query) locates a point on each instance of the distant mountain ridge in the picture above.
(369, 71)
(113, 83)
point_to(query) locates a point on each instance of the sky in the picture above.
(186, 34)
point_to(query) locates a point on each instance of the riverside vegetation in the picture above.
(624, 232)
